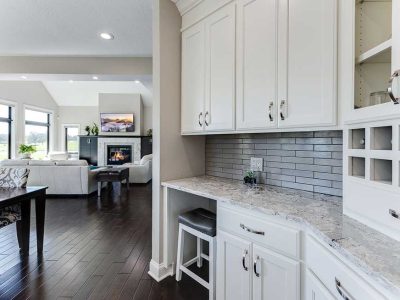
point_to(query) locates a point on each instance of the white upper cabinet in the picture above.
(220, 70)
(262, 65)
(193, 79)
(257, 60)
(373, 52)
(307, 63)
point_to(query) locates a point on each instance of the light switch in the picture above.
(256, 164)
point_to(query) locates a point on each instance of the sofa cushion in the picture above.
(58, 155)
(42, 163)
(72, 163)
(14, 162)
(146, 158)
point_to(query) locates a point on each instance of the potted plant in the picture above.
(26, 150)
(250, 178)
(95, 129)
(87, 129)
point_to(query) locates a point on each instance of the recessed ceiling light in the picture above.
(137, 81)
(106, 36)
(71, 81)
(95, 78)
(24, 77)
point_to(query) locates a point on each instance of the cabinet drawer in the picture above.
(275, 236)
(336, 276)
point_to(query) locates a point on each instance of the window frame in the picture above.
(36, 123)
(8, 120)
(65, 137)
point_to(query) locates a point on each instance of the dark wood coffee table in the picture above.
(112, 174)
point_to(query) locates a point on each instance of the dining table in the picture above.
(23, 197)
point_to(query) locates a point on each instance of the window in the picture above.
(72, 140)
(37, 132)
(5, 131)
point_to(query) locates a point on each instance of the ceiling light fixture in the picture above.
(71, 81)
(137, 81)
(95, 78)
(24, 77)
(106, 36)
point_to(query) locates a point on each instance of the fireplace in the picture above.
(119, 155)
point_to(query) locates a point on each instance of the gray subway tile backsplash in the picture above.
(309, 161)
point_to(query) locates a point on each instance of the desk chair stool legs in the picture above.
(191, 222)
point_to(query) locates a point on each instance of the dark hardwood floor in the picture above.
(93, 250)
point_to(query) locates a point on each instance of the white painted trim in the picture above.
(62, 134)
(159, 271)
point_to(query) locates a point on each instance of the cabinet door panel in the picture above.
(307, 62)
(233, 281)
(315, 290)
(220, 72)
(279, 276)
(256, 64)
(193, 78)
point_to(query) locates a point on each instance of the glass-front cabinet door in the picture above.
(376, 58)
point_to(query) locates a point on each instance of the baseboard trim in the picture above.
(159, 271)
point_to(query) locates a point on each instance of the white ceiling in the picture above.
(71, 27)
(86, 93)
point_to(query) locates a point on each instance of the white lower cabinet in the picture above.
(274, 276)
(248, 271)
(315, 290)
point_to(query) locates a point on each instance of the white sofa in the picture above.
(63, 177)
(140, 172)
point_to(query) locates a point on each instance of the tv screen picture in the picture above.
(117, 123)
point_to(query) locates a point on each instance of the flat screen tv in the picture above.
(117, 122)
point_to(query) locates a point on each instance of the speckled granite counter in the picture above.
(374, 253)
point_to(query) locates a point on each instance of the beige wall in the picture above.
(123, 103)
(174, 156)
(147, 119)
(29, 93)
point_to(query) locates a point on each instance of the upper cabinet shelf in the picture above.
(378, 54)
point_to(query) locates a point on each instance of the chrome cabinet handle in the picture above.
(251, 230)
(390, 89)
(283, 102)
(271, 118)
(394, 213)
(205, 118)
(342, 292)
(255, 266)
(200, 115)
(244, 260)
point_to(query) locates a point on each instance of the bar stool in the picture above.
(202, 224)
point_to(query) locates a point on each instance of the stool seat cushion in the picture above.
(200, 219)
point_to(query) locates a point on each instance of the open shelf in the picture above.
(378, 54)
(357, 167)
(381, 138)
(357, 138)
(381, 170)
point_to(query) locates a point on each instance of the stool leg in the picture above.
(179, 257)
(199, 250)
(212, 268)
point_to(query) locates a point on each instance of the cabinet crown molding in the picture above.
(185, 5)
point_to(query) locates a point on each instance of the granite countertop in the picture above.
(377, 255)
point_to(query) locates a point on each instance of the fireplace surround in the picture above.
(105, 141)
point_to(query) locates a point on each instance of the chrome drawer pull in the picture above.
(283, 102)
(255, 266)
(251, 230)
(342, 292)
(205, 119)
(390, 88)
(394, 213)
(244, 260)
(200, 115)
(271, 104)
